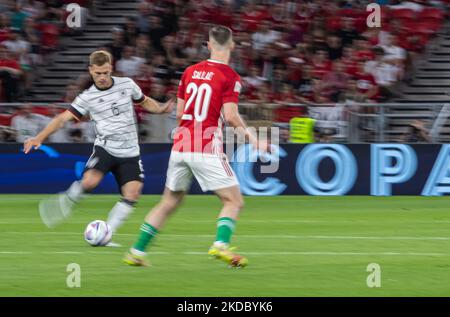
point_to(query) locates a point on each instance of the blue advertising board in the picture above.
(314, 169)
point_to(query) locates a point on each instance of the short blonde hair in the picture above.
(100, 58)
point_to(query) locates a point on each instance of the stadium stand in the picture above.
(287, 52)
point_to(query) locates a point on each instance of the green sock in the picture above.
(148, 232)
(225, 228)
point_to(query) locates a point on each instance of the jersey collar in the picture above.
(102, 89)
(218, 62)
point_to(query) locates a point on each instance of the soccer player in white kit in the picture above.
(207, 96)
(109, 102)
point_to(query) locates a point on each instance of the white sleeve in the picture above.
(136, 93)
(79, 106)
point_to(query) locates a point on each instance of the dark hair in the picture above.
(220, 34)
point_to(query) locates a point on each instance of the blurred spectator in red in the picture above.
(278, 78)
(304, 14)
(366, 84)
(335, 82)
(352, 94)
(348, 32)
(318, 32)
(144, 78)
(305, 88)
(294, 67)
(252, 16)
(4, 27)
(334, 46)
(321, 63)
(262, 95)
(10, 73)
(363, 51)
(285, 112)
(349, 61)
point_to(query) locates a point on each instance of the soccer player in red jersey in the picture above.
(207, 96)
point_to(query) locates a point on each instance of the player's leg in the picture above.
(97, 166)
(233, 203)
(178, 181)
(129, 174)
(121, 211)
(56, 209)
(154, 221)
(214, 173)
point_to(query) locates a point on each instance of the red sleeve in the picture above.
(181, 87)
(232, 90)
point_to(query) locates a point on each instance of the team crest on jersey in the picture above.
(123, 92)
(101, 100)
(237, 87)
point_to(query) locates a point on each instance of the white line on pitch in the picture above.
(245, 253)
(254, 236)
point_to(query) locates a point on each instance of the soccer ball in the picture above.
(98, 233)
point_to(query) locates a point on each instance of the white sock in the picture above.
(220, 244)
(75, 192)
(119, 213)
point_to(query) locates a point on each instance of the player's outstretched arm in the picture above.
(55, 124)
(233, 118)
(153, 106)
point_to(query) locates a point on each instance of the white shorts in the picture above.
(211, 171)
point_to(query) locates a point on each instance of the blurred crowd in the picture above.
(30, 31)
(306, 51)
(17, 125)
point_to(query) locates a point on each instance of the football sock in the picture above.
(75, 192)
(147, 233)
(119, 213)
(225, 228)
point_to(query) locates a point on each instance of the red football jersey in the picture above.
(205, 87)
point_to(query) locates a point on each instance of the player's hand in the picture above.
(168, 106)
(31, 144)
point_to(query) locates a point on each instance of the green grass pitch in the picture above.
(296, 245)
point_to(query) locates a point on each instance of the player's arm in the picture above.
(180, 109)
(152, 106)
(234, 119)
(57, 123)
